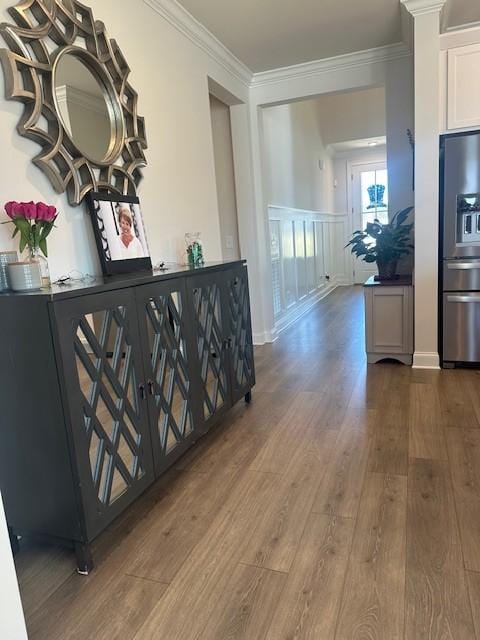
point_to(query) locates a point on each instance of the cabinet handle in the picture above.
(151, 387)
(467, 298)
(457, 266)
(141, 388)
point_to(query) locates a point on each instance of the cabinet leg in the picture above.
(13, 541)
(84, 558)
(248, 397)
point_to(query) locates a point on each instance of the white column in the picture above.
(252, 218)
(426, 15)
(12, 623)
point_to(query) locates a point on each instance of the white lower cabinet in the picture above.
(389, 320)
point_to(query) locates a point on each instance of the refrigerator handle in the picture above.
(463, 265)
(470, 298)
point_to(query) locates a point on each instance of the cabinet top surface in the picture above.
(74, 288)
(402, 281)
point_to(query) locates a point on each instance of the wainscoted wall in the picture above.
(308, 259)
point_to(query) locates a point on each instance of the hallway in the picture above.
(344, 502)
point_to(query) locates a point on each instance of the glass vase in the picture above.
(194, 249)
(34, 254)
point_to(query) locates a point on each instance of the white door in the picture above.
(370, 202)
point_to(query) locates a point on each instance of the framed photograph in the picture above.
(119, 233)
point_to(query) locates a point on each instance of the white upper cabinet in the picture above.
(463, 87)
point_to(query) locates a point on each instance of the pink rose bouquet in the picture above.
(34, 222)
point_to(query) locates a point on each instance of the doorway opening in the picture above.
(318, 156)
(225, 178)
(369, 196)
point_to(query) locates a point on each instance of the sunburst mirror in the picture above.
(78, 103)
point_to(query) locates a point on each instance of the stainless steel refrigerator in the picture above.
(460, 248)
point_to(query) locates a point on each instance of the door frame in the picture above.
(352, 166)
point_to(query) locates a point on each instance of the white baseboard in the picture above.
(299, 311)
(426, 360)
(264, 338)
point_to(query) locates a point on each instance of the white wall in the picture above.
(352, 115)
(12, 624)
(178, 193)
(400, 117)
(293, 153)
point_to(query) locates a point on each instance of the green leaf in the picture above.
(23, 242)
(392, 240)
(43, 247)
(400, 217)
(46, 228)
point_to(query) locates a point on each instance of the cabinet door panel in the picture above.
(209, 305)
(240, 330)
(103, 376)
(169, 347)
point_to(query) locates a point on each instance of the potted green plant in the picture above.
(384, 244)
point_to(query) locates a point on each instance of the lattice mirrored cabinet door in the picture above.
(240, 339)
(167, 341)
(105, 383)
(210, 318)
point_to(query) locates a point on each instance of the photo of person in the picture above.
(120, 233)
(129, 246)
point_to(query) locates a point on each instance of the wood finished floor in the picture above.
(344, 502)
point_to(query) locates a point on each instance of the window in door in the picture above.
(374, 196)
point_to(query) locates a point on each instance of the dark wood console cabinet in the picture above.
(104, 385)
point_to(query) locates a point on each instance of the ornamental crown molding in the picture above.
(84, 99)
(423, 7)
(196, 32)
(337, 63)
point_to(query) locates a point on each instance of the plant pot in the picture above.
(386, 270)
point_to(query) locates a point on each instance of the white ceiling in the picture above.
(267, 34)
(377, 143)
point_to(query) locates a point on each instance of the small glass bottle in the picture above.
(194, 249)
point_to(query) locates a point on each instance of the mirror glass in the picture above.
(84, 107)
(109, 399)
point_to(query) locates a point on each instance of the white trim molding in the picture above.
(424, 360)
(422, 7)
(66, 93)
(197, 33)
(303, 308)
(460, 37)
(327, 65)
(267, 337)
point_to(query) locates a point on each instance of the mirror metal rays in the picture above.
(48, 37)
